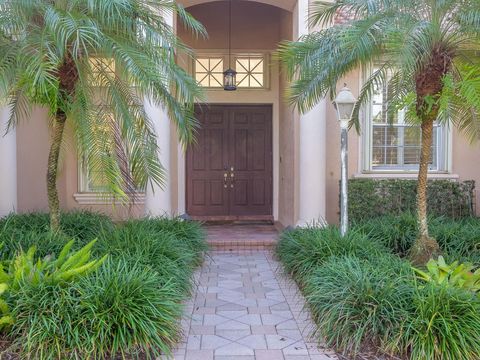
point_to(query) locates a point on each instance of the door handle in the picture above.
(225, 177)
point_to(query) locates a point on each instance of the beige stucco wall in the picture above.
(33, 139)
(32, 156)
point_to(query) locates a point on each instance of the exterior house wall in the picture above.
(257, 27)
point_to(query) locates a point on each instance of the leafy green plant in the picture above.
(443, 323)
(396, 232)
(454, 274)
(357, 303)
(459, 240)
(5, 318)
(25, 267)
(302, 250)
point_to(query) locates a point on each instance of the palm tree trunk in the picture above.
(424, 247)
(53, 202)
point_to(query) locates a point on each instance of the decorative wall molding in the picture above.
(89, 198)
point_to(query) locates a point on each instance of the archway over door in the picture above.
(282, 4)
(229, 169)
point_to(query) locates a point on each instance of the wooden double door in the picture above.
(229, 168)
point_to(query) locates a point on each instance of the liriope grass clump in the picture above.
(137, 242)
(443, 323)
(357, 303)
(141, 309)
(302, 250)
(395, 232)
(458, 239)
(121, 310)
(189, 233)
(21, 231)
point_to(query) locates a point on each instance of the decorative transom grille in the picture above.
(209, 72)
(102, 69)
(250, 72)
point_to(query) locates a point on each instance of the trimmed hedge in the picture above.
(370, 198)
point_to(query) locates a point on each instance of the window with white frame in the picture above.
(91, 180)
(251, 70)
(95, 181)
(391, 144)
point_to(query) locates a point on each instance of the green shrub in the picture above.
(47, 321)
(357, 303)
(443, 324)
(6, 319)
(120, 310)
(396, 232)
(21, 231)
(371, 198)
(302, 250)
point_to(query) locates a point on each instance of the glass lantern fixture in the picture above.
(344, 104)
(230, 80)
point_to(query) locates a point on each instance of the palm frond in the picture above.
(38, 37)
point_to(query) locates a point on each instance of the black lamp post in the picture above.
(230, 75)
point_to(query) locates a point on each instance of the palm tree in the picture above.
(91, 63)
(426, 49)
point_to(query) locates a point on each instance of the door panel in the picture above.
(236, 141)
(251, 135)
(206, 162)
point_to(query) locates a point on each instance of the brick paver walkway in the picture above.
(244, 308)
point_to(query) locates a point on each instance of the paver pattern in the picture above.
(244, 308)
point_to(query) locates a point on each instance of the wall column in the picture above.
(8, 165)
(311, 148)
(158, 200)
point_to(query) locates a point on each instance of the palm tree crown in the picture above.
(91, 63)
(426, 51)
